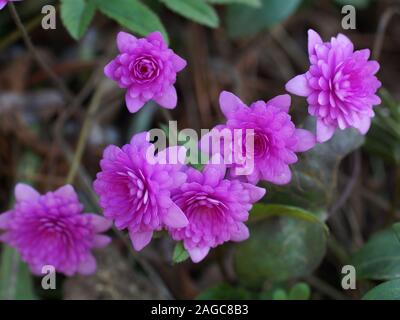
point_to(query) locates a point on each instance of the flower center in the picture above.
(144, 69)
(261, 145)
(138, 191)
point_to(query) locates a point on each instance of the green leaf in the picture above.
(389, 290)
(76, 16)
(379, 258)
(243, 20)
(15, 278)
(252, 3)
(196, 10)
(133, 15)
(180, 254)
(300, 291)
(280, 249)
(262, 211)
(314, 177)
(224, 291)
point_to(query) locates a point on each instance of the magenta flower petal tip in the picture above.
(216, 209)
(276, 139)
(136, 193)
(340, 85)
(3, 3)
(147, 69)
(51, 229)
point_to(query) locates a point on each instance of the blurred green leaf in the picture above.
(385, 127)
(196, 10)
(379, 258)
(180, 254)
(300, 291)
(132, 15)
(243, 20)
(389, 290)
(262, 211)
(280, 294)
(224, 291)
(76, 16)
(280, 249)
(15, 277)
(253, 3)
(314, 180)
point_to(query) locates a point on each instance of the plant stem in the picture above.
(25, 36)
(84, 134)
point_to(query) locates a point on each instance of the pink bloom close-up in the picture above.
(216, 209)
(340, 85)
(51, 229)
(135, 193)
(3, 3)
(147, 69)
(276, 139)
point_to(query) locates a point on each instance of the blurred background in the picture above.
(55, 125)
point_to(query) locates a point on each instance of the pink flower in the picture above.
(3, 3)
(340, 85)
(216, 209)
(147, 68)
(276, 139)
(135, 193)
(50, 229)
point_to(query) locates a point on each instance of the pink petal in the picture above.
(229, 103)
(88, 266)
(313, 40)
(282, 176)
(156, 36)
(140, 239)
(141, 139)
(133, 104)
(175, 218)
(125, 41)
(299, 86)
(23, 192)
(67, 191)
(5, 219)
(364, 124)
(324, 132)
(241, 234)
(283, 101)
(109, 69)
(256, 193)
(198, 254)
(2, 4)
(178, 62)
(306, 140)
(101, 241)
(169, 99)
(99, 223)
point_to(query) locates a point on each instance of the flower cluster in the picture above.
(203, 209)
(50, 229)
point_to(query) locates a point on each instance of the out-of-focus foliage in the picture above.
(180, 254)
(379, 258)
(280, 249)
(243, 20)
(314, 179)
(76, 16)
(244, 17)
(389, 290)
(384, 136)
(359, 4)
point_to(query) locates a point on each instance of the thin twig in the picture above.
(56, 80)
(326, 288)
(350, 185)
(380, 34)
(87, 126)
